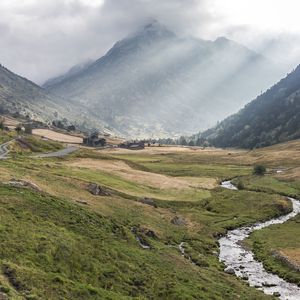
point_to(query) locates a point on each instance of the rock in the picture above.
(276, 294)
(97, 190)
(265, 284)
(179, 221)
(229, 271)
(82, 202)
(142, 242)
(150, 233)
(245, 277)
(148, 201)
(23, 183)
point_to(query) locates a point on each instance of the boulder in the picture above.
(229, 271)
(148, 201)
(150, 233)
(179, 221)
(23, 183)
(97, 190)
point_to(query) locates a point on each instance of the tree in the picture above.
(259, 170)
(182, 141)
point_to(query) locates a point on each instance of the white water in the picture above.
(242, 261)
(228, 185)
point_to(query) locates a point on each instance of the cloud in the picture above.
(40, 39)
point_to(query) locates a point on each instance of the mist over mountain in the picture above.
(271, 118)
(21, 96)
(72, 72)
(156, 83)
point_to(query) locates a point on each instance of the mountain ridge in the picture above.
(22, 96)
(153, 82)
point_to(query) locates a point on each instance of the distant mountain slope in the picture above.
(19, 95)
(154, 82)
(271, 118)
(72, 72)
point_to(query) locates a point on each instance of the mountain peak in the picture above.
(156, 29)
(222, 40)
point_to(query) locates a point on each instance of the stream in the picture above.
(241, 262)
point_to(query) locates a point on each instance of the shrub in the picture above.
(259, 170)
(240, 185)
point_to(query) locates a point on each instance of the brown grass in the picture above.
(173, 149)
(56, 136)
(293, 255)
(123, 170)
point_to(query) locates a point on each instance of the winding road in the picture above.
(4, 150)
(241, 261)
(59, 153)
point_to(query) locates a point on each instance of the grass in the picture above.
(67, 252)
(272, 245)
(28, 144)
(52, 245)
(6, 136)
(270, 184)
(179, 165)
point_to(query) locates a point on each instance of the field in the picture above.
(62, 241)
(57, 136)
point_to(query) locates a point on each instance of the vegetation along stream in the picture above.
(241, 261)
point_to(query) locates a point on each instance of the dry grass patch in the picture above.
(120, 168)
(292, 255)
(290, 174)
(56, 136)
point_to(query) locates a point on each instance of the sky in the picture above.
(40, 39)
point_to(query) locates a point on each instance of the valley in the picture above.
(149, 150)
(84, 245)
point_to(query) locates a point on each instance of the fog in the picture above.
(41, 39)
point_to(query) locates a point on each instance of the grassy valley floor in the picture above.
(59, 240)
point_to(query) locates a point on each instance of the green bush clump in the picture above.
(259, 170)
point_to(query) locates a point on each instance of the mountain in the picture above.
(19, 95)
(271, 118)
(72, 72)
(156, 83)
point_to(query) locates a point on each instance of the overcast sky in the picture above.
(43, 38)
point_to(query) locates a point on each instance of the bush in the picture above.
(240, 185)
(259, 170)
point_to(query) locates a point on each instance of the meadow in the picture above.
(62, 242)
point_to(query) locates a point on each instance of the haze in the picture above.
(41, 39)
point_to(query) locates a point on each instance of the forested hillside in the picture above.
(271, 118)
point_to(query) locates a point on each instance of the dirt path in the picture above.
(123, 170)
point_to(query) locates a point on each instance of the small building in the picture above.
(93, 140)
(27, 127)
